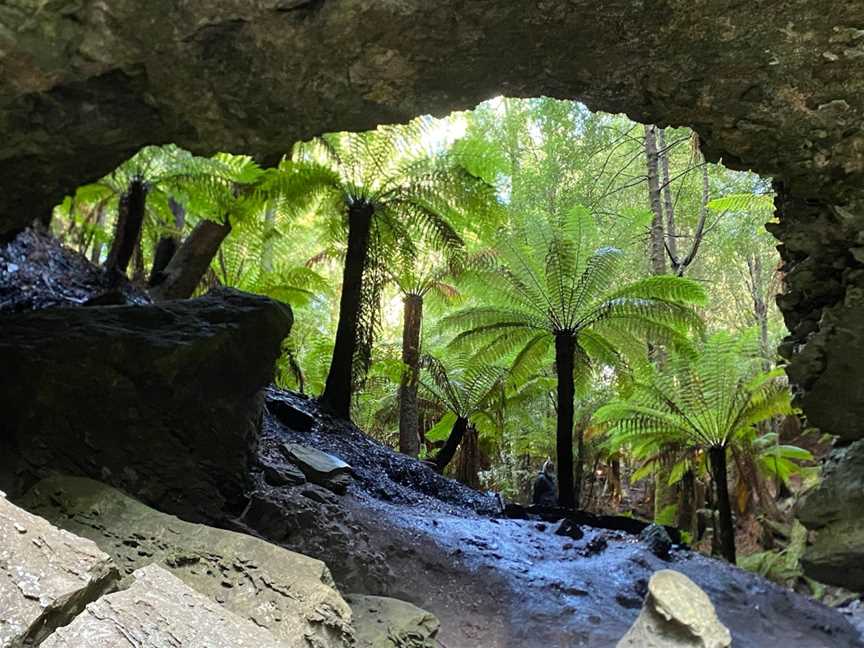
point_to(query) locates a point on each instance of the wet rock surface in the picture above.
(159, 610)
(47, 576)
(290, 595)
(497, 582)
(677, 614)
(162, 401)
(37, 272)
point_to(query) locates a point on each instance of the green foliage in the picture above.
(710, 397)
(545, 278)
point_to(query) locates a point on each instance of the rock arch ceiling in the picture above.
(772, 85)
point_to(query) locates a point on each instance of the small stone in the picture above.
(20, 528)
(676, 614)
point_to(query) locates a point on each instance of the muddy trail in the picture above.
(503, 582)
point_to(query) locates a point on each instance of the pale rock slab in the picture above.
(47, 576)
(159, 611)
(291, 595)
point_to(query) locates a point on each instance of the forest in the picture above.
(521, 285)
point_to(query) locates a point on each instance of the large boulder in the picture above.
(47, 576)
(289, 594)
(382, 622)
(163, 401)
(833, 511)
(676, 614)
(156, 611)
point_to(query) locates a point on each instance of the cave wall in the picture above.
(772, 85)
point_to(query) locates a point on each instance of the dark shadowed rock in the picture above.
(657, 540)
(677, 614)
(569, 529)
(288, 412)
(162, 401)
(834, 511)
(283, 474)
(47, 576)
(159, 610)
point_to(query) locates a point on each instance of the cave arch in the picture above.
(774, 87)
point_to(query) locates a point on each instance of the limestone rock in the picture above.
(833, 510)
(47, 576)
(159, 610)
(676, 614)
(382, 622)
(319, 467)
(291, 595)
(162, 401)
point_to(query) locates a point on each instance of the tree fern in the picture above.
(707, 401)
(545, 287)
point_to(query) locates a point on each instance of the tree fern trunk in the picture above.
(446, 454)
(167, 246)
(565, 350)
(409, 440)
(337, 390)
(468, 464)
(191, 262)
(726, 532)
(127, 231)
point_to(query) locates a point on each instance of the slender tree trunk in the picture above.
(167, 245)
(565, 351)
(269, 233)
(337, 390)
(127, 232)
(682, 264)
(96, 254)
(446, 454)
(687, 503)
(656, 246)
(726, 532)
(668, 202)
(192, 260)
(579, 467)
(409, 439)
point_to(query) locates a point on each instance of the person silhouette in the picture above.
(545, 487)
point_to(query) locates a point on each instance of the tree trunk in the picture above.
(656, 246)
(127, 231)
(565, 351)
(409, 439)
(192, 260)
(686, 520)
(138, 271)
(337, 390)
(726, 532)
(269, 233)
(167, 246)
(446, 454)
(579, 465)
(668, 202)
(96, 254)
(468, 464)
